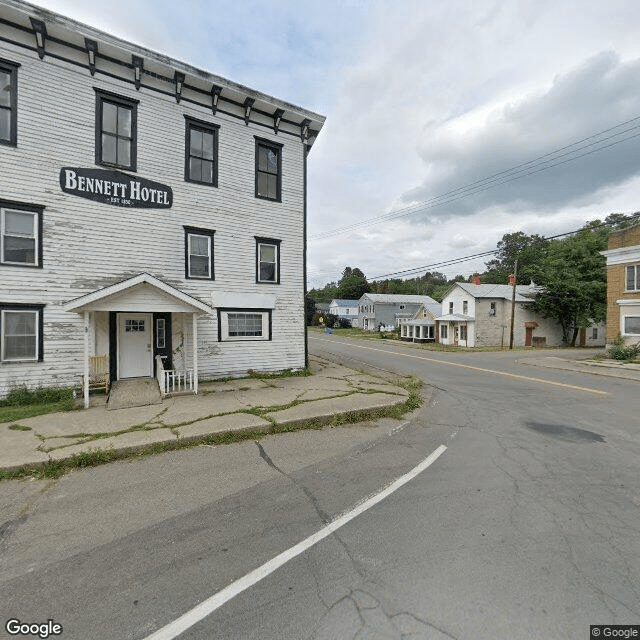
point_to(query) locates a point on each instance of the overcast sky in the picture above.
(424, 98)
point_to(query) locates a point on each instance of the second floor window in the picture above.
(198, 253)
(201, 152)
(116, 131)
(267, 260)
(451, 307)
(8, 103)
(465, 307)
(633, 278)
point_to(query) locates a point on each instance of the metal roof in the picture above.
(398, 297)
(344, 303)
(524, 292)
(455, 317)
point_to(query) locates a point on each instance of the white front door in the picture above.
(135, 340)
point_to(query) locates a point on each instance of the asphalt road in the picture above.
(526, 526)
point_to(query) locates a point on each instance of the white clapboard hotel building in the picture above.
(152, 215)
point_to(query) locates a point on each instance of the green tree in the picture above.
(528, 250)
(573, 278)
(352, 285)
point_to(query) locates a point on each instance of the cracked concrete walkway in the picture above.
(221, 407)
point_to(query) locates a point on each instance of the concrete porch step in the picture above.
(134, 392)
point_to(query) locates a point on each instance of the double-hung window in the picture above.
(198, 253)
(20, 235)
(267, 261)
(201, 152)
(20, 333)
(239, 325)
(451, 308)
(116, 130)
(268, 170)
(633, 277)
(8, 103)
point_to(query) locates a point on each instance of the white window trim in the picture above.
(224, 325)
(36, 315)
(36, 253)
(199, 233)
(636, 279)
(628, 309)
(276, 274)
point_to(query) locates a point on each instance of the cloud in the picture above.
(597, 95)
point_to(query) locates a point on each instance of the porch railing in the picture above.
(173, 381)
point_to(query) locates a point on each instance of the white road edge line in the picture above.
(208, 606)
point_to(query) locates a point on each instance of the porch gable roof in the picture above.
(157, 294)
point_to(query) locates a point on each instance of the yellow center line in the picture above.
(468, 366)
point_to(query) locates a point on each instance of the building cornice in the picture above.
(71, 41)
(623, 255)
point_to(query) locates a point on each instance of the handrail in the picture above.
(160, 371)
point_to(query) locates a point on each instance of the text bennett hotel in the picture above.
(151, 213)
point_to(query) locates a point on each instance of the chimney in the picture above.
(512, 280)
(475, 279)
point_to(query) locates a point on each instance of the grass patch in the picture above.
(10, 414)
(259, 375)
(23, 403)
(19, 427)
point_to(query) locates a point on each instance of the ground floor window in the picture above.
(632, 325)
(463, 332)
(443, 332)
(20, 333)
(239, 324)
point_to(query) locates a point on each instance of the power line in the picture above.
(537, 165)
(487, 253)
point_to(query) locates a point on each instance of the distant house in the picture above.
(623, 285)
(422, 327)
(476, 315)
(345, 309)
(388, 310)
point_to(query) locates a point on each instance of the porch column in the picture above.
(85, 383)
(194, 338)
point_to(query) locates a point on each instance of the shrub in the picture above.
(22, 396)
(626, 353)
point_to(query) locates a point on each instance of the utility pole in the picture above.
(513, 302)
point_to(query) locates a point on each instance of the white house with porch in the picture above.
(422, 327)
(152, 214)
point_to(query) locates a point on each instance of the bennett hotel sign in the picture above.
(115, 187)
(96, 284)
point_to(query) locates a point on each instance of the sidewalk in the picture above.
(610, 368)
(219, 408)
